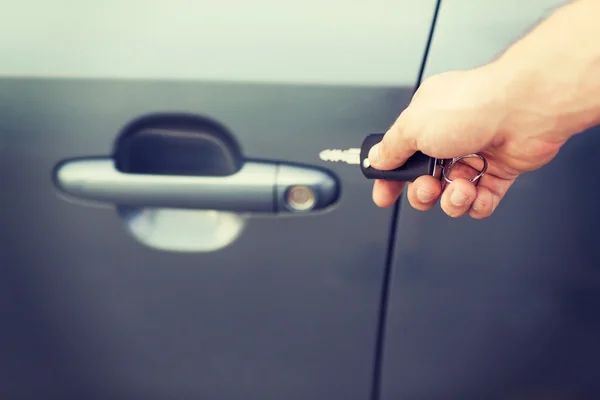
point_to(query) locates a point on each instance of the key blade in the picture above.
(349, 156)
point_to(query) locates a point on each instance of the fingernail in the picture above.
(478, 205)
(424, 195)
(374, 154)
(458, 199)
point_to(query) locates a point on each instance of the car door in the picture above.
(507, 307)
(167, 227)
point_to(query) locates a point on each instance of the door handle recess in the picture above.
(258, 187)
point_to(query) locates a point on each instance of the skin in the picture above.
(517, 111)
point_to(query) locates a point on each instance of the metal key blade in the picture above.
(417, 165)
(349, 156)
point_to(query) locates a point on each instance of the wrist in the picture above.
(534, 102)
(550, 76)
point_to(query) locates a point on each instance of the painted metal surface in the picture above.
(505, 308)
(289, 310)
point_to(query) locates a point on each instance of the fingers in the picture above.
(490, 192)
(385, 193)
(480, 202)
(487, 193)
(484, 204)
(458, 197)
(424, 192)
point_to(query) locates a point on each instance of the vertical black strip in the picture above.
(383, 308)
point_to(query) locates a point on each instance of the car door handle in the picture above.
(258, 186)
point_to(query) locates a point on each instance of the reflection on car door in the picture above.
(132, 266)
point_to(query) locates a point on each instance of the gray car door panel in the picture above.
(289, 307)
(507, 307)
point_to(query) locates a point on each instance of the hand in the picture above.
(458, 113)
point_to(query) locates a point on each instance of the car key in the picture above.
(417, 165)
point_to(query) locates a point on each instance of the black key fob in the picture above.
(417, 165)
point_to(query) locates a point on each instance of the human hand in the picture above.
(457, 113)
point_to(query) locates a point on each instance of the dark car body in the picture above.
(138, 301)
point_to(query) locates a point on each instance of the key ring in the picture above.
(447, 167)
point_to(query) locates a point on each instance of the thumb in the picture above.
(393, 150)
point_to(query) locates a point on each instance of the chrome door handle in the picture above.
(262, 187)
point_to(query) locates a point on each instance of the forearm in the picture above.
(554, 71)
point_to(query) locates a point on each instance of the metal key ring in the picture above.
(447, 167)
